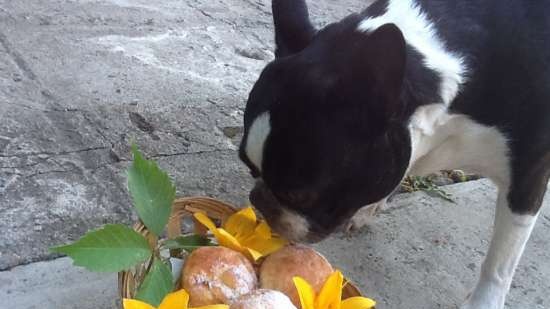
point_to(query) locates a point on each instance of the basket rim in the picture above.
(185, 207)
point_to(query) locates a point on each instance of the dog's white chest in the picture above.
(444, 141)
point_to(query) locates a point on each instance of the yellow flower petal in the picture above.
(272, 245)
(242, 233)
(204, 220)
(227, 240)
(255, 255)
(306, 293)
(212, 307)
(263, 230)
(135, 304)
(176, 300)
(358, 303)
(330, 296)
(262, 245)
(241, 223)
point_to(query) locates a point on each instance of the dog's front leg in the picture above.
(510, 234)
(364, 216)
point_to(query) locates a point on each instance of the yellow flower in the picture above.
(242, 232)
(176, 300)
(330, 296)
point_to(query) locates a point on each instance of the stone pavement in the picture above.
(81, 79)
(421, 252)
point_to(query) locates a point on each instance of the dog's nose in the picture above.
(263, 199)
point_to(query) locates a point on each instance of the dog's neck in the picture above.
(425, 49)
(433, 76)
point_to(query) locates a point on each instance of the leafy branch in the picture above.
(116, 247)
(418, 183)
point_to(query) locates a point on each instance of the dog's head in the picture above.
(324, 133)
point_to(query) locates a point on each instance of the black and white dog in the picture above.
(408, 86)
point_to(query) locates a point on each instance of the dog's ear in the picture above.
(293, 30)
(387, 56)
(379, 60)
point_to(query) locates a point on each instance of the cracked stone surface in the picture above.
(81, 79)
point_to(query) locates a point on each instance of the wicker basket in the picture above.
(182, 208)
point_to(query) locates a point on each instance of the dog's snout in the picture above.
(283, 220)
(255, 194)
(263, 199)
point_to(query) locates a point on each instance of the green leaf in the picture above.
(113, 248)
(152, 192)
(188, 243)
(157, 283)
(418, 183)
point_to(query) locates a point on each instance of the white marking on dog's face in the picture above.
(420, 33)
(255, 140)
(293, 226)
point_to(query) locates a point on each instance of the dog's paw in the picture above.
(481, 300)
(364, 216)
(489, 305)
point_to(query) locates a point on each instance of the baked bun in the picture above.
(279, 268)
(263, 299)
(217, 275)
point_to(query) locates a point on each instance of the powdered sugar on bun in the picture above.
(217, 275)
(263, 299)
